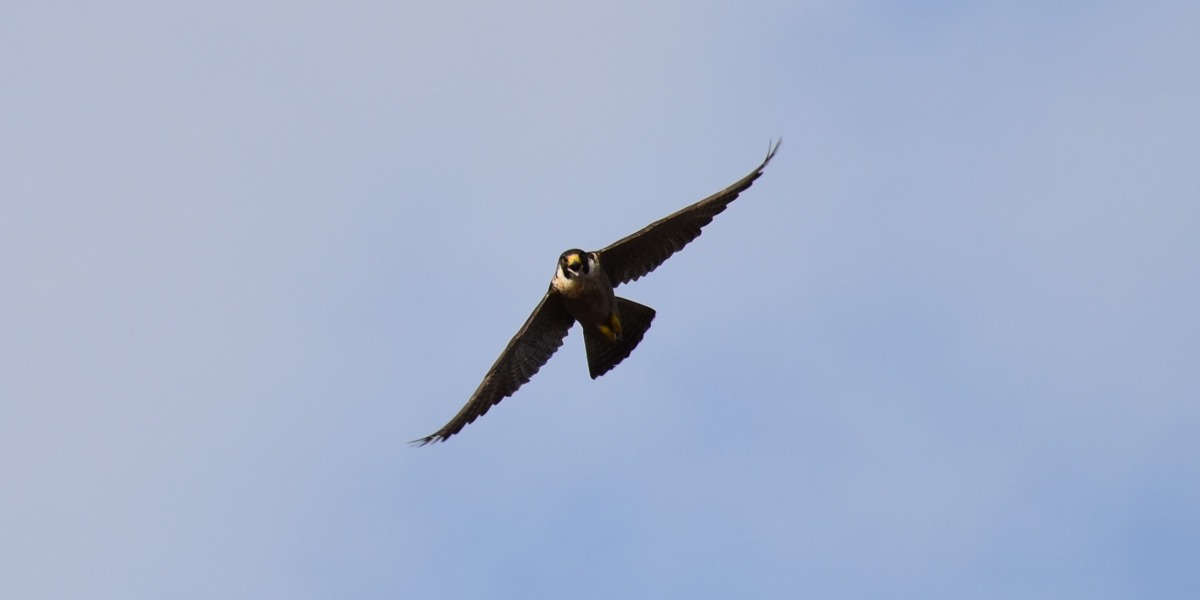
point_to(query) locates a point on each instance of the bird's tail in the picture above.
(602, 354)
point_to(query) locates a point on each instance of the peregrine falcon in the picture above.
(582, 290)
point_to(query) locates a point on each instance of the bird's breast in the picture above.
(582, 287)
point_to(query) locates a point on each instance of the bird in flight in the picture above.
(582, 290)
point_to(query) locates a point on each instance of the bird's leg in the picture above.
(612, 330)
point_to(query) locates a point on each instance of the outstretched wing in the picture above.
(636, 255)
(534, 344)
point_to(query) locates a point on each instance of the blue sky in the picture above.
(946, 347)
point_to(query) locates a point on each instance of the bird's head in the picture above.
(576, 263)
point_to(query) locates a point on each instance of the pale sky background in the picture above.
(947, 347)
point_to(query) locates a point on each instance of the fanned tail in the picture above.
(602, 354)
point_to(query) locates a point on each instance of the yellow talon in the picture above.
(611, 331)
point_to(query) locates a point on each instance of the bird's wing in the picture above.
(638, 254)
(532, 347)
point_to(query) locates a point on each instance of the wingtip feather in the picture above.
(425, 441)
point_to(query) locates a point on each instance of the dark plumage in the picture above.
(613, 326)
